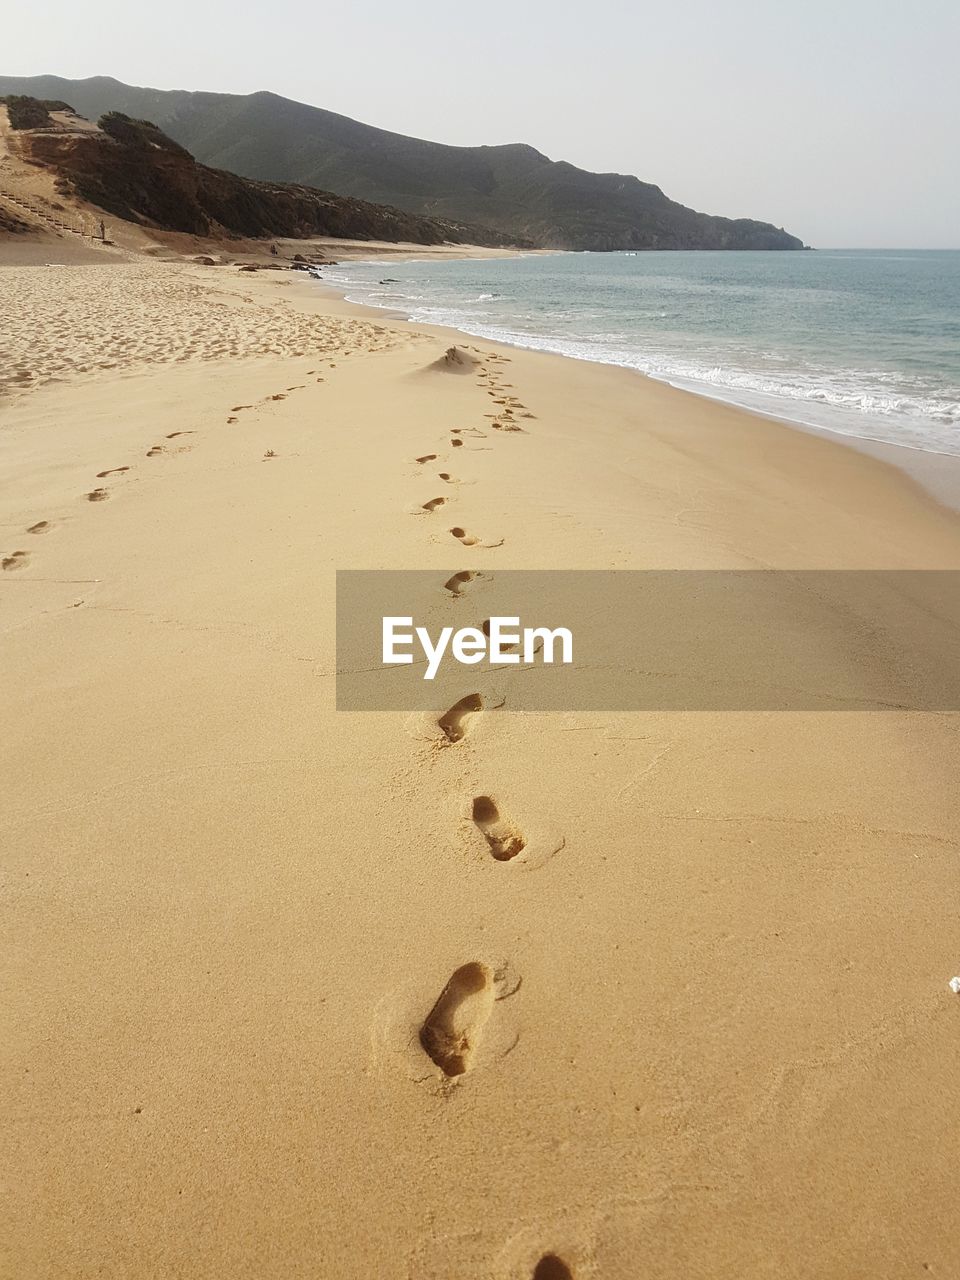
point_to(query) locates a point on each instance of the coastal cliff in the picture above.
(131, 170)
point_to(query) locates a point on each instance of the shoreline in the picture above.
(940, 479)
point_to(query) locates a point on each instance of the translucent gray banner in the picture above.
(673, 640)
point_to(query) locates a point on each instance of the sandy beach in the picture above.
(710, 1037)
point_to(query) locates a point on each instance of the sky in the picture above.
(837, 119)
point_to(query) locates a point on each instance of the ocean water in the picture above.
(861, 342)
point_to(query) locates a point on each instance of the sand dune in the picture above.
(467, 996)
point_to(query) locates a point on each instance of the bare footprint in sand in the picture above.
(453, 1028)
(237, 407)
(461, 535)
(445, 475)
(503, 838)
(114, 471)
(16, 560)
(42, 526)
(458, 583)
(173, 434)
(550, 1267)
(433, 504)
(456, 444)
(471, 540)
(427, 457)
(504, 648)
(98, 495)
(155, 451)
(455, 723)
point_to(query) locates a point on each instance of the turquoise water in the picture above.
(862, 342)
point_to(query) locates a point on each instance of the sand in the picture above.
(275, 1006)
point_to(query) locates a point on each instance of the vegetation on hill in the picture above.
(25, 112)
(131, 169)
(514, 189)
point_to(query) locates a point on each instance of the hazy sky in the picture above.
(838, 119)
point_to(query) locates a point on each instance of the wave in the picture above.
(867, 403)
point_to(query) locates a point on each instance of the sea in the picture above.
(864, 343)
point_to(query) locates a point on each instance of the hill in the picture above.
(132, 170)
(514, 189)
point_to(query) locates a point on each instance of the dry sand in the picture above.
(710, 1037)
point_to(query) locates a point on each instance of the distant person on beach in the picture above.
(103, 230)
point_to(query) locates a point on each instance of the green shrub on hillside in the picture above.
(26, 113)
(137, 133)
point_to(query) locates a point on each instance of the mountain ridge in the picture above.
(512, 188)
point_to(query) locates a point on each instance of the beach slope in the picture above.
(276, 1007)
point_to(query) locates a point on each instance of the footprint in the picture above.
(456, 721)
(456, 584)
(17, 560)
(469, 539)
(445, 475)
(230, 421)
(98, 495)
(278, 396)
(236, 409)
(173, 434)
(433, 504)
(456, 444)
(427, 457)
(504, 648)
(40, 527)
(452, 1030)
(102, 475)
(550, 1267)
(504, 839)
(154, 452)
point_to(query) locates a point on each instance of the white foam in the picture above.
(850, 402)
